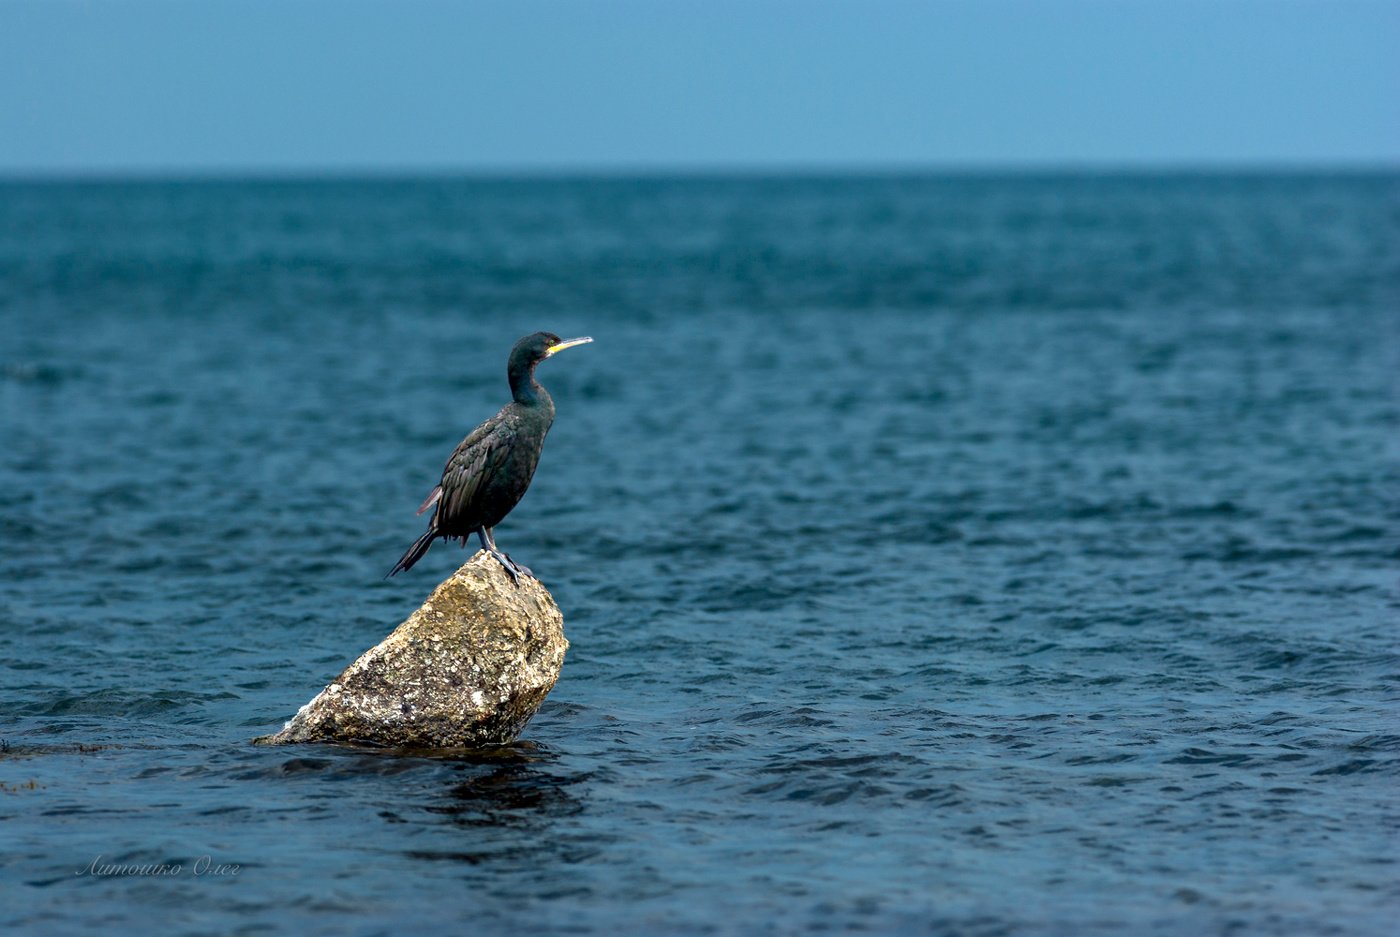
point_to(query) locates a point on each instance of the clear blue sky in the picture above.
(220, 86)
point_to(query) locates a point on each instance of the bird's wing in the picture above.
(469, 466)
(431, 500)
(473, 438)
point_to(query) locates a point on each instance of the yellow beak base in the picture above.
(570, 343)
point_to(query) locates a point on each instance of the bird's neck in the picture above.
(527, 391)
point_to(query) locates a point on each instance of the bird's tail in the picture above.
(415, 552)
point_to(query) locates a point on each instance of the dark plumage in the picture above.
(488, 473)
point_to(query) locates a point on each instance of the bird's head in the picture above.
(532, 349)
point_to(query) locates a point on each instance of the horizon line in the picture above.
(726, 170)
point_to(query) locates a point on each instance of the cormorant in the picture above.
(488, 473)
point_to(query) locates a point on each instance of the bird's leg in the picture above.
(488, 543)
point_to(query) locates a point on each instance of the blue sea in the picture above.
(963, 554)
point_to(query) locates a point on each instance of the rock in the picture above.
(468, 669)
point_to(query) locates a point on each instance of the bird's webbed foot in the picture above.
(488, 543)
(513, 568)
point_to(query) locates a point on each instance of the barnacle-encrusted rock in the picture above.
(468, 669)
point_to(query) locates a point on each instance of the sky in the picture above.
(310, 86)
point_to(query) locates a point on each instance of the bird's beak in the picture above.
(552, 349)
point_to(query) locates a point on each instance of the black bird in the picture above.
(488, 473)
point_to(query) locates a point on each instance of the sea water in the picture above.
(963, 554)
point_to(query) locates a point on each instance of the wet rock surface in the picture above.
(467, 669)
